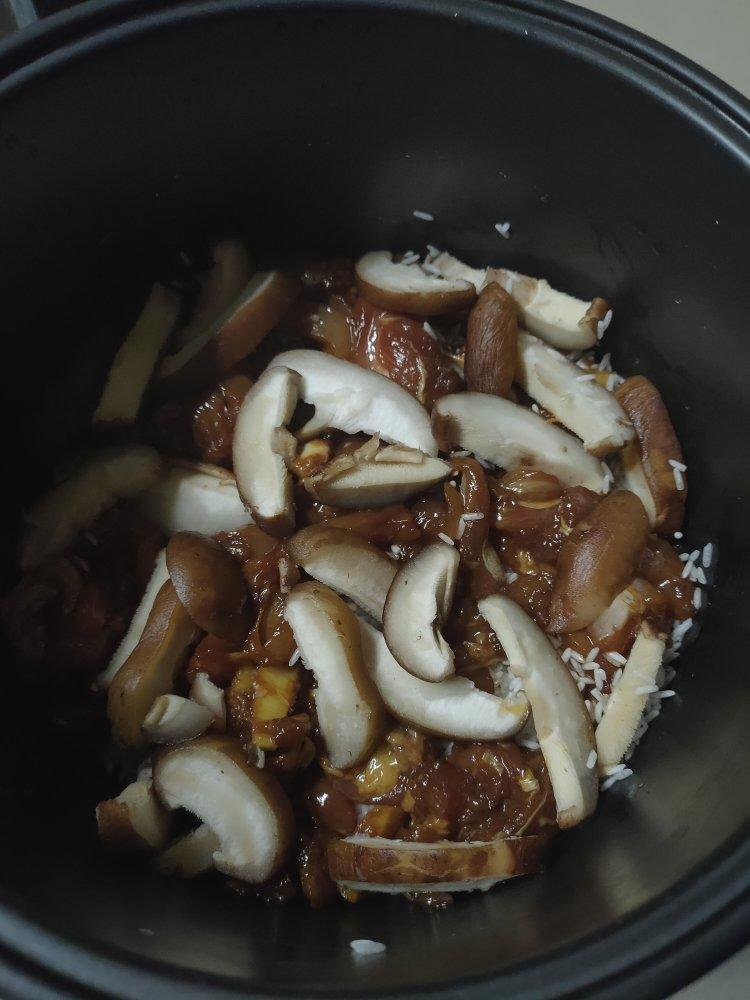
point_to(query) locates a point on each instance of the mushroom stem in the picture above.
(627, 701)
(190, 855)
(133, 821)
(172, 719)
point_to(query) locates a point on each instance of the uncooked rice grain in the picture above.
(445, 538)
(363, 946)
(425, 216)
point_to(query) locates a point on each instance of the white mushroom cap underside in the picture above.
(355, 400)
(581, 404)
(212, 787)
(562, 723)
(511, 436)
(453, 708)
(188, 499)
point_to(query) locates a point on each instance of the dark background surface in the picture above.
(324, 129)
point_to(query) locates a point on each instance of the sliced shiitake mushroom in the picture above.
(624, 709)
(561, 320)
(350, 712)
(632, 476)
(150, 669)
(620, 618)
(136, 359)
(453, 708)
(158, 578)
(261, 442)
(220, 287)
(204, 692)
(172, 719)
(581, 404)
(194, 496)
(513, 437)
(491, 342)
(258, 308)
(133, 821)
(189, 855)
(210, 584)
(659, 447)
(407, 288)
(418, 603)
(562, 723)
(373, 477)
(375, 864)
(597, 560)
(244, 806)
(349, 398)
(452, 267)
(109, 476)
(347, 563)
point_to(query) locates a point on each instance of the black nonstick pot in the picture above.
(130, 131)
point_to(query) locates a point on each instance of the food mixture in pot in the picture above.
(382, 590)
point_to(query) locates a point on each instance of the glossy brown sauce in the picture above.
(70, 614)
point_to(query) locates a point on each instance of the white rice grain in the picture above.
(445, 538)
(504, 229)
(363, 946)
(424, 216)
(603, 325)
(591, 759)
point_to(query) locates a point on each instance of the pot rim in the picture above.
(661, 945)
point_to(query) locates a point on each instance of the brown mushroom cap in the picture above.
(597, 561)
(350, 711)
(658, 445)
(491, 342)
(347, 563)
(376, 864)
(245, 807)
(150, 669)
(210, 585)
(407, 288)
